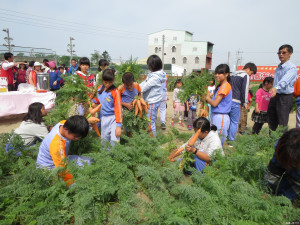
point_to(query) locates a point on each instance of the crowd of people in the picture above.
(228, 102)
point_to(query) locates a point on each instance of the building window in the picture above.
(173, 60)
(175, 38)
(197, 60)
(173, 49)
(194, 49)
(156, 50)
(155, 40)
(184, 60)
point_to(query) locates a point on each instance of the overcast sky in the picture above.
(255, 27)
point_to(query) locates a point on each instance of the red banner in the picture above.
(264, 71)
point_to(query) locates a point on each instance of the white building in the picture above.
(181, 50)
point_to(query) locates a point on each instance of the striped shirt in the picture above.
(285, 77)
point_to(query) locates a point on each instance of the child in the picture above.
(73, 68)
(297, 96)
(37, 68)
(103, 64)
(210, 89)
(54, 76)
(221, 101)
(111, 110)
(32, 128)
(283, 174)
(262, 100)
(177, 105)
(163, 105)
(206, 145)
(61, 70)
(152, 88)
(191, 104)
(128, 90)
(84, 66)
(55, 146)
(244, 114)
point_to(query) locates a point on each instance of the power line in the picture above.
(65, 21)
(65, 28)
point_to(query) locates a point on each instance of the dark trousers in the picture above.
(279, 110)
(256, 128)
(10, 87)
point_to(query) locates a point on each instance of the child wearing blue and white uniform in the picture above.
(192, 104)
(111, 110)
(221, 101)
(152, 88)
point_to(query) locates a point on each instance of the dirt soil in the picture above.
(9, 123)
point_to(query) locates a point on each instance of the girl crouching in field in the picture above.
(207, 143)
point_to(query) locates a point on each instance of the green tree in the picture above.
(95, 57)
(65, 59)
(105, 55)
(20, 54)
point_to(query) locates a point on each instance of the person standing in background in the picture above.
(7, 71)
(282, 92)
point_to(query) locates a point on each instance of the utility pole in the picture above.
(163, 51)
(239, 58)
(8, 39)
(228, 58)
(71, 49)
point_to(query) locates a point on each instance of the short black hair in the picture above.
(59, 68)
(154, 63)
(8, 55)
(178, 81)
(34, 113)
(31, 63)
(287, 150)
(77, 125)
(127, 78)
(203, 124)
(84, 61)
(222, 69)
(268, 80)
(108, 75)
(288, 47)
(251, 66)
(74, 60)
(45, 60)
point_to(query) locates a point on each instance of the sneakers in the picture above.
(190, 127)
(181, 124)
(163, 126)
(172, 124)
(229, 144)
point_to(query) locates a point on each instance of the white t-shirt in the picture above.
(209, 145)
(30, 132)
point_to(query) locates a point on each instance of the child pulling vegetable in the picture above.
(204, 144)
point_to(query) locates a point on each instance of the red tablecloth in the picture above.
(15, 102)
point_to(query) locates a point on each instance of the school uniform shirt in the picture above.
(30, 132)
(127, 96)
(152, 87)
(285, 77)
(263, 98)
(111, 104)
(193, 102)
(240, 86)
(224, 106)
(209, 145)
(54, 75)
(53, 150)
(88, 79)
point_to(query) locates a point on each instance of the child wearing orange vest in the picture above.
(37, 67)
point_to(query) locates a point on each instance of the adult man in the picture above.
(6, 70)
(240, 88)
(74, 66)
(282, 92)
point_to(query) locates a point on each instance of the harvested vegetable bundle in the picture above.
(92, 119)
(140, 105)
